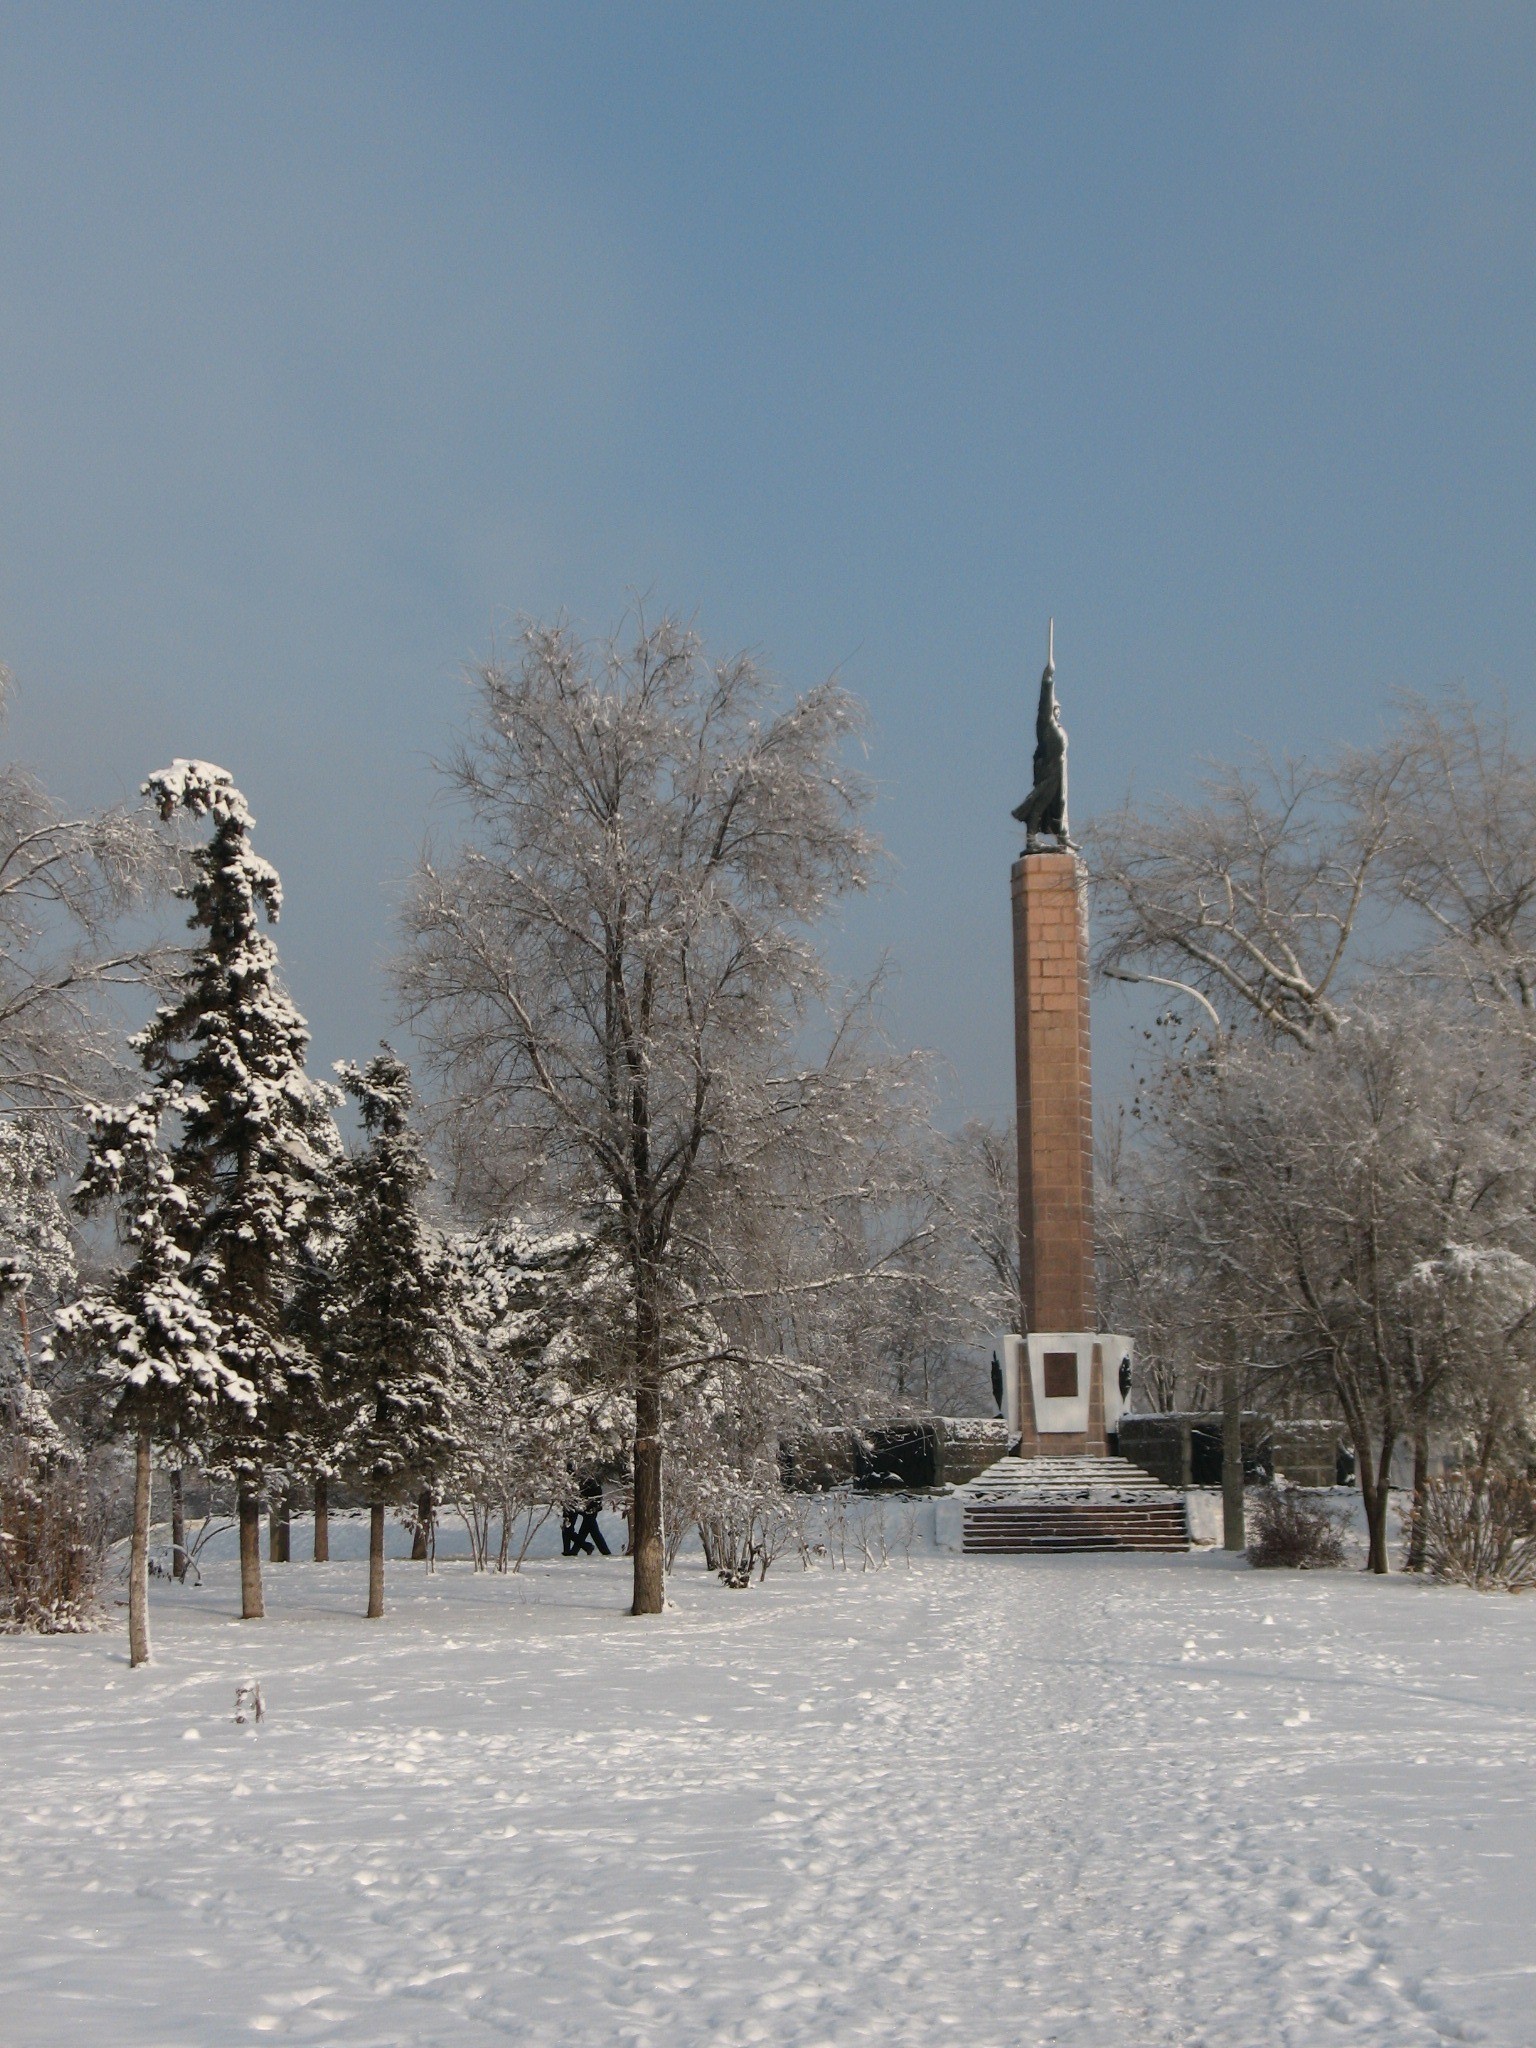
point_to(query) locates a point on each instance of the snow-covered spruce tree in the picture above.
(320, 1424)
(37, 1251)
(388, 1308)
(257, 1145)
(153, 1345)
(37, 1268)
(49, 1533)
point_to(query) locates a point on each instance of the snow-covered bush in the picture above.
(743, 1537)
(723, 1472)
(843, 1529)
(1294, 1528)
(1479, 1531)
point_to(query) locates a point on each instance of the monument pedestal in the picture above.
(1064, 1392)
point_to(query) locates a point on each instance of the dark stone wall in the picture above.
(1159, 1444)
(1185, 1449)
(917, 1453)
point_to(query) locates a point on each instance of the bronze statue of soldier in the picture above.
(1043, 813)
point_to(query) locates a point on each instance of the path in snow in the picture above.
(1000, 1801)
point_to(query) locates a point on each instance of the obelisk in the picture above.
(1055, 1110)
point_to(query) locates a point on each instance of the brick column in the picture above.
(1055, 1097)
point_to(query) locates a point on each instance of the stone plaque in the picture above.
(1060, 1375)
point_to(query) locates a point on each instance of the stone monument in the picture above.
(1062, 1378)
(1063, 1484)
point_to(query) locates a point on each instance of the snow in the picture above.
(1002, 1801)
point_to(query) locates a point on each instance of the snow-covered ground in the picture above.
(999, 1801)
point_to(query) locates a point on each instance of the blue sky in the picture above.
(332, 337)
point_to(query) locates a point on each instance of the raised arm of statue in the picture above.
(1046, 715)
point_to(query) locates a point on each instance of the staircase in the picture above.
(1051, 1504)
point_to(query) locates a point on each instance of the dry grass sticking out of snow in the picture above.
(996, 1801)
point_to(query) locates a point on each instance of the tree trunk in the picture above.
(1376, 1507)
(251, 1607)
(280, 1524)
(645, 1516)
(138, 1556)
(1372, 1475)
(1234, 1531)
(178, 1527)
(422, 1537)
(376, 1514)
(322, 1519)
(1415, 1560)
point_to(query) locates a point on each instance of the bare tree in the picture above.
(1148, 1280)
(1320, 1190)
(955, 1287)
(616, 978)
(65, 883)
(1460, 844)
(978, 1188)
(1248, 902)
(1255, 904)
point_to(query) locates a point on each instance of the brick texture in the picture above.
(1055, 1095)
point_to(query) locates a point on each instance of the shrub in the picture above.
(743, 1537)
(52, 1543)
(1295, 1529)
(1479, 1531)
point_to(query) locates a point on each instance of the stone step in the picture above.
(1074, 1546)
(1017, 1515)
(1075, 1518)
(1075, 1479)
(980, 1524)
(1065, 1545)
(1009, 1532)
(1065, 1504)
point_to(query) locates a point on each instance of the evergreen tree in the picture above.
(37, 1274)
(155, 1347)
(321, 1422)
(257, 1146)
(388, 1314)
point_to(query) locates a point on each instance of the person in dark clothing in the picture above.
(997, 1383)
(586, 1532)
(568, 1529)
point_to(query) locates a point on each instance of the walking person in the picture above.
(587, 1532)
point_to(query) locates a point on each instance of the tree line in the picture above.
(690, 1198)
(1327, 1191)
